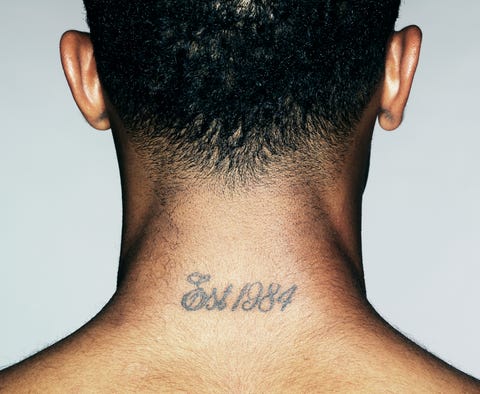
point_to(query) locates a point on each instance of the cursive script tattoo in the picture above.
(252, 296)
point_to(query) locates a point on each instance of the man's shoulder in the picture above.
(368, 364)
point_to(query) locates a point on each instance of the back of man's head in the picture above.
(232, 86)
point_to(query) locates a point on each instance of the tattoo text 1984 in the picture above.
(252, 296)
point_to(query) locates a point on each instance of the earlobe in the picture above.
(80, 69)
(401, 63)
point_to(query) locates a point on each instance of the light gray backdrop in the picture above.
(60, 209)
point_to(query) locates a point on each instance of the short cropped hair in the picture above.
(232, 85)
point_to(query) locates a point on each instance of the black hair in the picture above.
(236, 84)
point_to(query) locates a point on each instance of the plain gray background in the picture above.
(60, 207)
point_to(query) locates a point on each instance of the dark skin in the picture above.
(258, 290)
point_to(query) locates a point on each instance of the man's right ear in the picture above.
(76, 51)
(401, 63)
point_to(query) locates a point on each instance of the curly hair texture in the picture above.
(233, 85)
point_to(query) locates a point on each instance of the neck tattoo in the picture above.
(253, 296)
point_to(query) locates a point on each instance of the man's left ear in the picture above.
(76, 51)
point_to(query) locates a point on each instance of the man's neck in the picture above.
(265, 232)
(267, 255)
